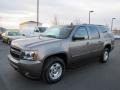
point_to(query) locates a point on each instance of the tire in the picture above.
(105, 56)
(53, 70)
(3, 41)
(8, 42)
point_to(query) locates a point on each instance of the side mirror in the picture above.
(36, 31)
(23, 34)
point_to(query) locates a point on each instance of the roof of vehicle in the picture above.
(92, 25)
(72, 26)
(84, 25)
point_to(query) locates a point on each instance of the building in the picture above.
(2, 29)
(29, 25)
(28, 28)
(116, 32)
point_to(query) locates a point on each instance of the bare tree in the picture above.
(55, 22)
(77, 20)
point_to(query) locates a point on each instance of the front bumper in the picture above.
(29, 67)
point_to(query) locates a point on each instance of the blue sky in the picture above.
(13, 12)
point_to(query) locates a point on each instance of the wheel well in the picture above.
(60, 55)
(108, 46)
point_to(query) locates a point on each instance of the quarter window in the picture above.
(103, 29)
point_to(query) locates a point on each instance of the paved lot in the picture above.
(87, 76)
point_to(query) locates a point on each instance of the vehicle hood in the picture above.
(30, 43)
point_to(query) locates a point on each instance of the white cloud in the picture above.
(16, 11)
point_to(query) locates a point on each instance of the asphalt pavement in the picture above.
(87, 76)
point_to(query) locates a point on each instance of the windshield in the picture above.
(59, 32)
(14, 34)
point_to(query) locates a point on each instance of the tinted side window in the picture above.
(94, 34)
(81, 32)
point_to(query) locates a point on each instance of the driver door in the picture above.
(79, 46)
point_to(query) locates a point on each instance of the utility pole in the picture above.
(90, 15)
(37, 12)
(112, 23)
(55, 20)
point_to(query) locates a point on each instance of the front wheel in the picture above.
(105, 56)
(53, 70)
(9, 41)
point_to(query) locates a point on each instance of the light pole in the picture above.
(112, 23)
(37, 12)
(89, 15)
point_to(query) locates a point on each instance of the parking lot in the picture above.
(87, 76)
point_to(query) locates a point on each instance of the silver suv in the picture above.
(48, 56)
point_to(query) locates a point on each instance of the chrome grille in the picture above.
(15, 52)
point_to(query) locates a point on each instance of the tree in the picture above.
(77, 21)
(55, 22)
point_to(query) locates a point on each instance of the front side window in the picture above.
(94, 34)
(81, 33)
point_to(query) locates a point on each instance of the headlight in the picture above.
(30, 55)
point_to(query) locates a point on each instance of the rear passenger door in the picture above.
(95, 43)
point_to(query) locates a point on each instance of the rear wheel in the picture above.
(53, 70)
(105, 56)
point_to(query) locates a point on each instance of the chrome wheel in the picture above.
(106, 55)
(55, 71)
